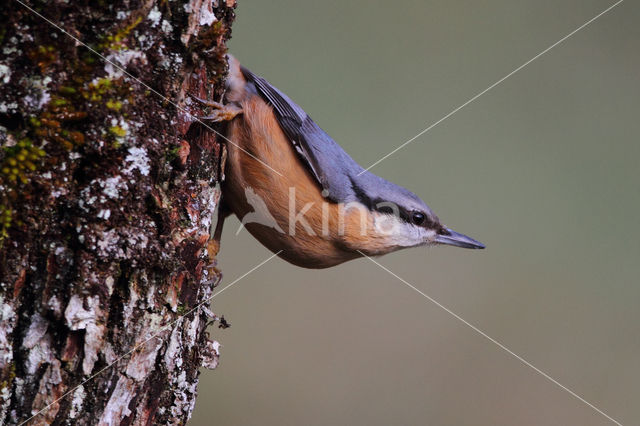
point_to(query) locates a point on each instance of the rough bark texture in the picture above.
(106, 198)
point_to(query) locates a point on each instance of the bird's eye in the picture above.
(418, 218)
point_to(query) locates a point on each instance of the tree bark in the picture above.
(107, 193)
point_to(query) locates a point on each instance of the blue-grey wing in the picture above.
(333, 168)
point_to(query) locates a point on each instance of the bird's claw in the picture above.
(222, 112)
(206, 102)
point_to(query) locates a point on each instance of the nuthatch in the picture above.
(308, 199)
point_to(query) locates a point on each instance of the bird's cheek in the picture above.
(429, 237)
(386, 225)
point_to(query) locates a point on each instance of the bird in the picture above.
(322, 208)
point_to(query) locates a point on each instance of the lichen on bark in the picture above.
(107, 192)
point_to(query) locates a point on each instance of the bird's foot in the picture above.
(214, 274)
(213, 247)
(221, 112)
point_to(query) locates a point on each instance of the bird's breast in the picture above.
(279, 202)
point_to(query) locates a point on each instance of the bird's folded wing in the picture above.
(326, 160)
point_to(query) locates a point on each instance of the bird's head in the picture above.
(404, 220)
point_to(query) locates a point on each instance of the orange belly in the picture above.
(317, 241)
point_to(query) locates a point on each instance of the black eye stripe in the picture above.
(385, 209)
(415, 217)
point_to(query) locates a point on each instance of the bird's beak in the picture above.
(452, 238)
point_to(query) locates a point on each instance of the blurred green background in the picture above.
(544, 169)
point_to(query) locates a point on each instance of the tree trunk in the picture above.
(107, 192)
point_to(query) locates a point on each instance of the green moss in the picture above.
(59, 102)
(115, 41)
(97, 90)
(67, 90)
(18, 164)
(43, 56)
(172, 154)
(89, 58)
(35, 122)
(114, 105)
(6, 384)
(65, 107)
(117, 131)
(19, 160)
(5, 221)
(61, 121)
